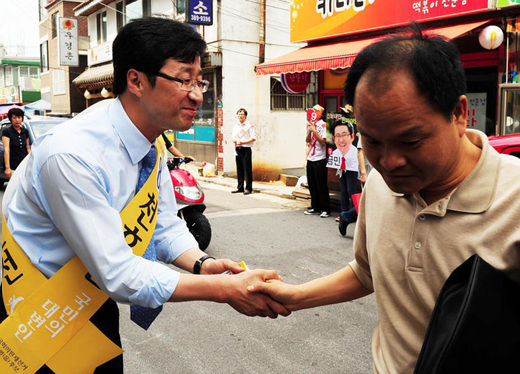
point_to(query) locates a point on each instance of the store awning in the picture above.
(341, 55)
(38, 105)
(6, 108)
(95, 75)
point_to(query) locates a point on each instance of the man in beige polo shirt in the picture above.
(438, 195)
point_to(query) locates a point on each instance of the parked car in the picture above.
(508, 144)
(37, 126)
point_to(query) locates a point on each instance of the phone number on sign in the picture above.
(197, 18)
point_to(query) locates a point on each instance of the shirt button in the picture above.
(422, 217)
(417, 245)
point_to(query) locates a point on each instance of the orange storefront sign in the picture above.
(320, 19)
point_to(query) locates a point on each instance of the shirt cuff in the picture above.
(157, 290)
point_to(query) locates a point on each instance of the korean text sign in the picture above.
(200, 12)
(68, 41)
(319, 19)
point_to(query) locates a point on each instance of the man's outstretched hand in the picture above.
(251, 303)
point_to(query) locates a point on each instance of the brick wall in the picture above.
(220, 139)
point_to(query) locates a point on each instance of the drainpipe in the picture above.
(261, 50)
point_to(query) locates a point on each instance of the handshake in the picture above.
(250, 292)
(263, 292)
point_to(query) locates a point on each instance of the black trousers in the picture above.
(348, 184)
(106, 319)
(317, 181)
(244, 168)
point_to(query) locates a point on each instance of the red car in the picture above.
(508, 144)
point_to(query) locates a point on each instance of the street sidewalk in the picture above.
(276, 188)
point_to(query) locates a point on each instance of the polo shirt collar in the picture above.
(133, 140)
(477, 191)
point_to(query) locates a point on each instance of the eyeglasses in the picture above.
(343, 135)
(186, 84)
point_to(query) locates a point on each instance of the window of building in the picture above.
(181, 6)
(283, 100)
(27, 71)
(58, 82)
(101, 27)
(8, 75)
(44, 56)
(127, 10)
(42, 11)
(120, 15)
(54, 21)
(2, 78)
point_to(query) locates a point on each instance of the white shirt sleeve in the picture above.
(81, 210)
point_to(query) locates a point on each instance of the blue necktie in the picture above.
(141, 315)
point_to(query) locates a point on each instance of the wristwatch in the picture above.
(198, 263)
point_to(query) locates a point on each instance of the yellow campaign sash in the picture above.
(48, 320)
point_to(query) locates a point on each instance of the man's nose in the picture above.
(391, 159)
(196, 94)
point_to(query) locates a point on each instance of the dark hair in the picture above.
(242, 110)
(432, 61)
(15, 112)
(146, 43)
(340, 122)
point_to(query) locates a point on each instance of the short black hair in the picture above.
(432, 61)
(144, 44)
(242, 110)
(15, 112)
(340, 122)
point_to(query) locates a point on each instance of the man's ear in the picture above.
(460, 114)
(134, 82)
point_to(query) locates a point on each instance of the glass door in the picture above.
(510, 109)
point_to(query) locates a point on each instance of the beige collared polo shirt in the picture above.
(405, 250)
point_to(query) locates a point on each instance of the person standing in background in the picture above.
(347, 172)
(15, 140)
(317, 165)
(364, 165)
(243, 136)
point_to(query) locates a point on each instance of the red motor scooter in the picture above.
(190, 201)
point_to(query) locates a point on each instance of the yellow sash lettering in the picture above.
(48, 320)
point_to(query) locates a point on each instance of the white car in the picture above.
(37, 126)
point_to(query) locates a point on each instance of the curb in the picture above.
(280, 191)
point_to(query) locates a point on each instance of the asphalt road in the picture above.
(272, 233)
(202, 337)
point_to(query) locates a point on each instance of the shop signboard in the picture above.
(506, 3)
(477, 103)
(321, 19)
(68, 42)
(100, 53)
(200, 12)
(295, 82)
